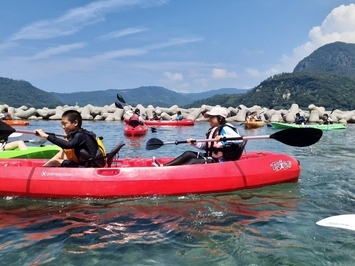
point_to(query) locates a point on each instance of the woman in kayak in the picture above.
(178, 116)
(215, 151)
(81, 148)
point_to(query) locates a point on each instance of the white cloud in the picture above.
(218, 73)
(252, 72)
(58, 50)
(124, 32)
(201, 81)
(174, 41)
(339, 25)
(173, 77)
(77, 18)
(119, 53)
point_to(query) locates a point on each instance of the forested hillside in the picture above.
(324, 78)
(19, 92)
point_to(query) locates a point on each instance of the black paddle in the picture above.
(5, 129)
(118, 105)
(297, 137)
(120, 98)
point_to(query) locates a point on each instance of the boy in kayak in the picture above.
(215, 151)
(81, 148)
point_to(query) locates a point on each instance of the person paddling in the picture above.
(299, 119)
(327, 120)
(81, 148)
(178, 116)
(136, 119)
(155, 116)
(5, 115)
(217, 151)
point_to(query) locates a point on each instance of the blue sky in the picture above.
(182, 45)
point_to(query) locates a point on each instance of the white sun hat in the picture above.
(217, 111)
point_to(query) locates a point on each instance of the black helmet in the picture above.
(137, 111)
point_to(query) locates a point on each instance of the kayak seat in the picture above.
(113, 153)
(133, 123)
(240, 149)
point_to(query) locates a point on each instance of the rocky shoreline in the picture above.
(238, 114)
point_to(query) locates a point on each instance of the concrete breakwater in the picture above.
(236, 114)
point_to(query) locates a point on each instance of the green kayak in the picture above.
(45, 152)
(278, 125)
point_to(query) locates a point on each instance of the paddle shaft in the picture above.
(34, 133)
(297, 137)
(222, 139)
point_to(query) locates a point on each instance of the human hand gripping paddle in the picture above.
(6, 130)
(33, 141)
(297, 137)
(118, 105)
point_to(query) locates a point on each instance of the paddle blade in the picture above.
(345, 221)
(5, 130)
(118, 105)
(15, 135)
(120, 98)
(298, 137)
(153, 144)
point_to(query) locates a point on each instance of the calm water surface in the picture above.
(274, 225)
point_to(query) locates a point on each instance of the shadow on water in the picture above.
(188, 229)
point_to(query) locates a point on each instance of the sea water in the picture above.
(274, 225)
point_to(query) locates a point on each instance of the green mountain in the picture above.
(145, 95)
(324, 78)
(211, 93)
(16, 93)
(334, 58)
(157, 96)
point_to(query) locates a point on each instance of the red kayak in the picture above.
(139, 130)
(184, 122)
(137, 177)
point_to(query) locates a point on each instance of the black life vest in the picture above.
(82, 156)
(229, 152)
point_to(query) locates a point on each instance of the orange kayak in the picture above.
(16, 122)
(254, 124)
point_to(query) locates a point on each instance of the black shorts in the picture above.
(68, 163)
